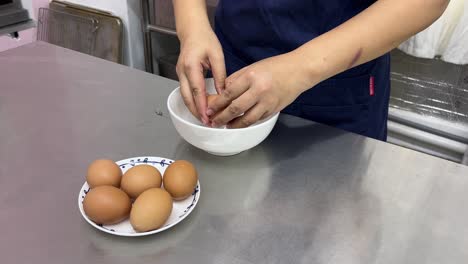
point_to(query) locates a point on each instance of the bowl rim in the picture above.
(171, 111)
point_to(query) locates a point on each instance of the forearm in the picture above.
(191, 15)
(372, 33)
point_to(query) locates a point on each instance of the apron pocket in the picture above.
(345, 103)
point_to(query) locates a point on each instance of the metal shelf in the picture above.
(163, 30)
(148, 28)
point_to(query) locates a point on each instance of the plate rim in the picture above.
(138, 234)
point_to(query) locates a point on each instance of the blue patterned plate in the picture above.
(180, 209)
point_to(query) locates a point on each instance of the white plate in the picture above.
(180, 209)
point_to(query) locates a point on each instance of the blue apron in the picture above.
(355, 100)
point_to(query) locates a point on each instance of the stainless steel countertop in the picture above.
(308, 194)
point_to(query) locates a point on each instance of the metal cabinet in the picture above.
(158, 16)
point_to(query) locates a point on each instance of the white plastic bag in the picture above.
(446, 38)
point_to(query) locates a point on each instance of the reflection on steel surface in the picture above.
(430, 88)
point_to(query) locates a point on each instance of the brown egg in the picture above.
(180, 178)
(139, 179)
(103, 172)
(107, 205)
(210, 98)
(151, 210)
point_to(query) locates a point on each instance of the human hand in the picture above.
(200, 51)
(258, 91)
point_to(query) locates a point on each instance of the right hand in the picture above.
(200, 51)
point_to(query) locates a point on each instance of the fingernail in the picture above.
(209, 112)
(205, 121)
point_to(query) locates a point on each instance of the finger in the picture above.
(230, 93)
(187, 95)
(229, 80)
(235, 109)
(250, 117)
(206, 65)
(218, 68)
(197, 87)
(267, 114)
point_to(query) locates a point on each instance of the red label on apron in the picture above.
(371, 85)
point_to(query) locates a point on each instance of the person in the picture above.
(323, 60)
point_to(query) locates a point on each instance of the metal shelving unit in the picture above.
(148, 28)
(429, 106)
(150, 25)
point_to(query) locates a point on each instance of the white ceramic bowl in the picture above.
(217, 141)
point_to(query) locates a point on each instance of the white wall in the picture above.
(130, 13)
(27, 4)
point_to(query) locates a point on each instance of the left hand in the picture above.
(258, 91)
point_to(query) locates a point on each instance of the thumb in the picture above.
(218, 68)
